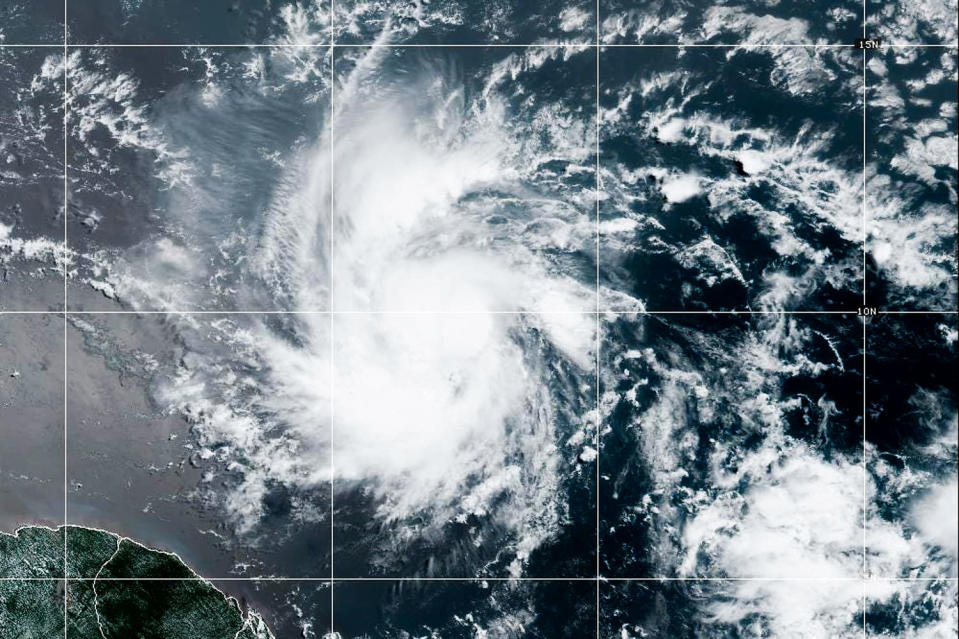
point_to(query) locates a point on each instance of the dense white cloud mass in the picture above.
(430, 388)
(444, 207)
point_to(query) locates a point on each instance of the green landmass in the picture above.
(116, 589)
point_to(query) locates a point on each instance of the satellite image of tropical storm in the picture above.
(478, 319)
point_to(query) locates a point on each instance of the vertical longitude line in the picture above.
(865, 226)
(66, 590)
(865, 574)
(330, 303)
(599, 418)
(865, 236)
(864, 303)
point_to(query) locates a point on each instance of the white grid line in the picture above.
(497, 579)
(865, 275)
(607, 311)
(333, 633)
(66, 307)
(865, 226)
(599, 416)
(865, 477)
(332, 45)
(480, 45)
